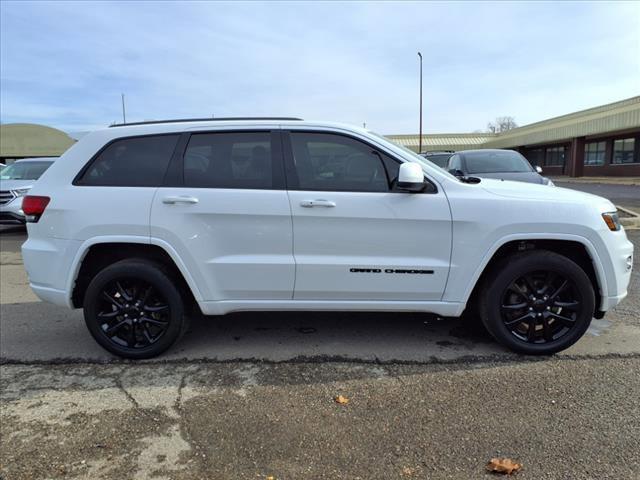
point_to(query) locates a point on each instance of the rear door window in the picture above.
(230, 160)
(131, 162)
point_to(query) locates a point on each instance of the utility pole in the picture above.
(420, 135)
(124, 116)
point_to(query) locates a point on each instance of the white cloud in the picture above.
(65, 64)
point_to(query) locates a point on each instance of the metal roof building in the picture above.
(24, 140)
(604, 140)
(443, 141)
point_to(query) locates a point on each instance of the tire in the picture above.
(527, 307)
(134, 310)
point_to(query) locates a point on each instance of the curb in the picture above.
(632, 222)
(597, 180)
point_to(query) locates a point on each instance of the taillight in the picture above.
(33, 207)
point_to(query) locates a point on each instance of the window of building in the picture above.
(327, 162)
(623, 151)
(229, 160)
(555, 157)
(132, 162)
(594, 153)
(535, 156)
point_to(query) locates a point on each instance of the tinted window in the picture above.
(535, 156)
(336, 163)
(623, 151)
(132, 162)
(24, 170)
(229, 160)
(496, 162)
(555, 157)
(594, 153)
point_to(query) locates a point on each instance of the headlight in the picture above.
(612, 221)
(21, 192)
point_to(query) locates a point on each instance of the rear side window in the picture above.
(229, 160)
(132, 162)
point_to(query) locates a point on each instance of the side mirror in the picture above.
(411, 177)
(456, 172)
(538, 169)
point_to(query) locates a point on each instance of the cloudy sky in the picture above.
(65, 64)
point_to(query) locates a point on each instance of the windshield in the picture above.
(503, 161)
(24, 170)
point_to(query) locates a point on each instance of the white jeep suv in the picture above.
(141, 223)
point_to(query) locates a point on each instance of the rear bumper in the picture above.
(51, 295)
(47, 262)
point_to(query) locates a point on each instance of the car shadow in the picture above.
(45, 333)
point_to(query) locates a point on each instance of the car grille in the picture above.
(6, 196)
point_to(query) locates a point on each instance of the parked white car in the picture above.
(16, 180)
(139, 224)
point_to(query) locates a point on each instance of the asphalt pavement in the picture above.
(559, 418)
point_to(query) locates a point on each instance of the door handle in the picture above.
(317, 203)
(172, 200)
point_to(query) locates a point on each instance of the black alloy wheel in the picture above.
(540, 307)
(132, 313)
(134, 309)
(536, 302)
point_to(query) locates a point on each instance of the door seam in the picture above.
(293, 251)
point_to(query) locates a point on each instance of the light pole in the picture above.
(420, 135)
(124, 116)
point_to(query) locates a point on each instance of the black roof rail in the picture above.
(216, 119)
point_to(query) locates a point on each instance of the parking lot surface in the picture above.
(251, 396)
(560, 418)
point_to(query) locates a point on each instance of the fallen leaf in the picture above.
(341, 400)
(408, 471)
(271, 477)
(503, 465)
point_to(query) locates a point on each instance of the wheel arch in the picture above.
(576, 248)
(96, 253)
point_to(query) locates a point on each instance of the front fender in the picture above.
(464, 293)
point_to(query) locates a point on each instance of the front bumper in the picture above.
(621, 264)
(11, 213)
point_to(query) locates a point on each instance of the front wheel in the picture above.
(537, 302)
(133, 309)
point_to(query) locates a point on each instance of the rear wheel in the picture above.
(133, 309)
(537, 302)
